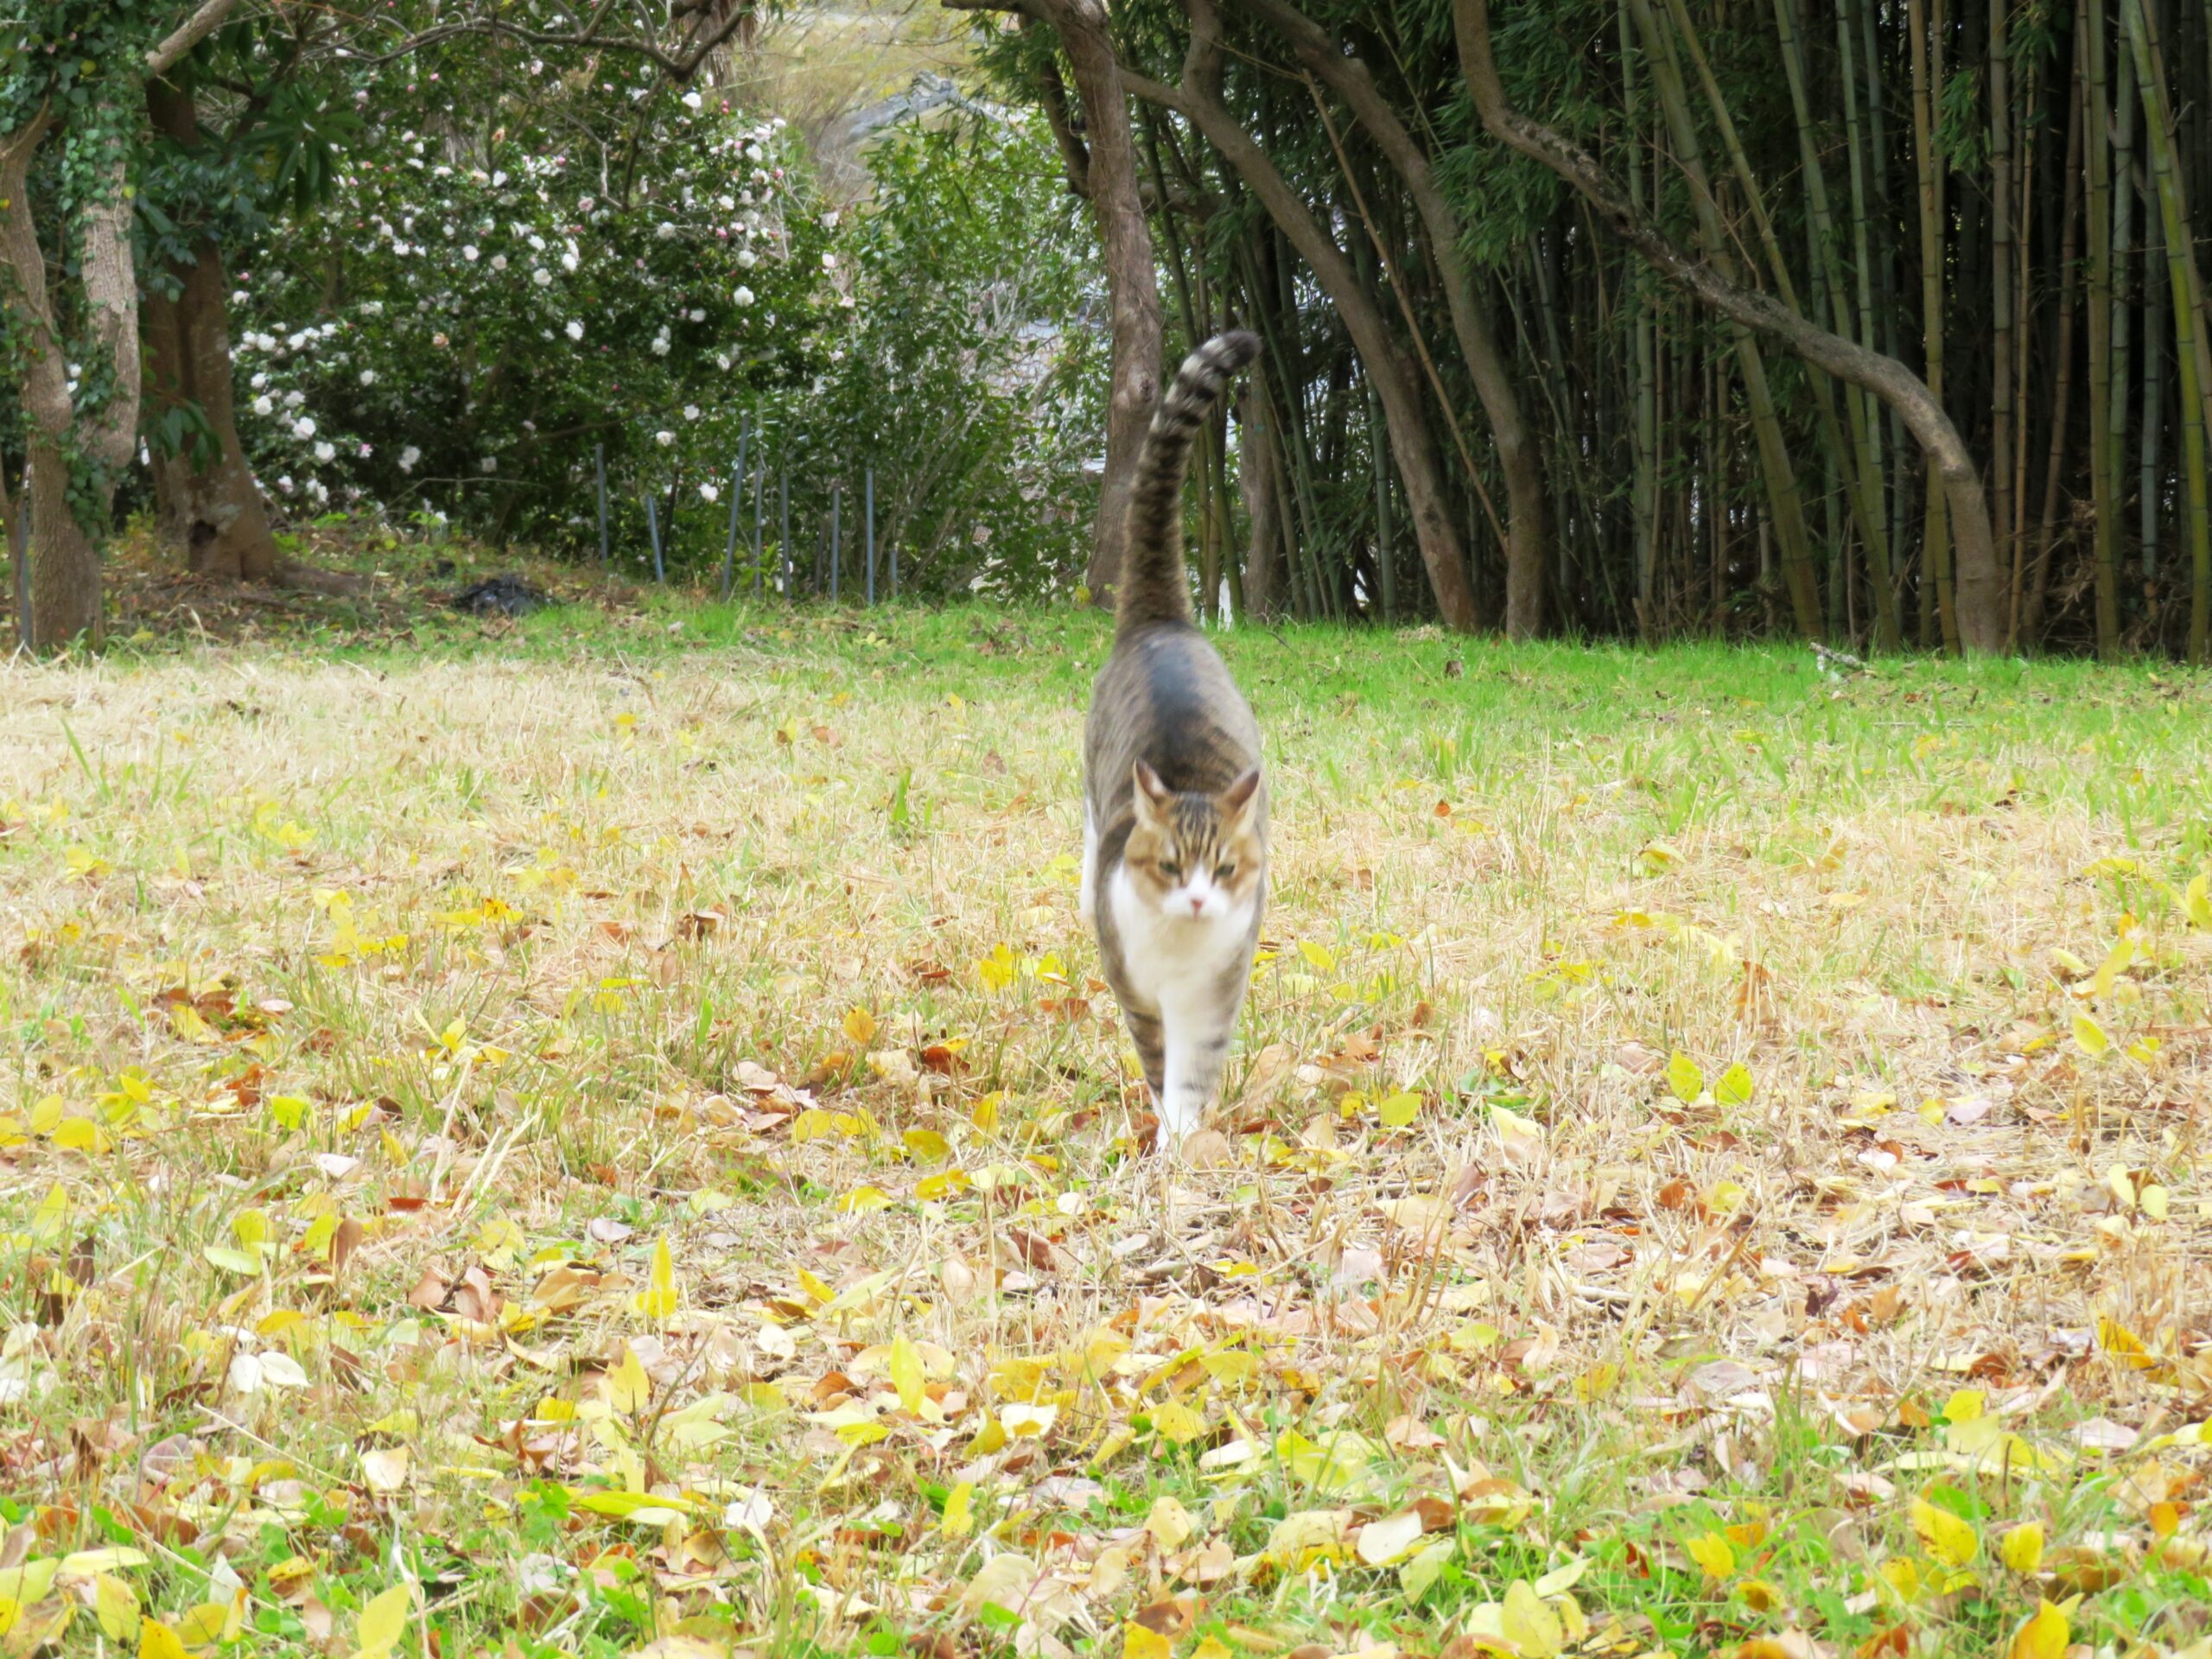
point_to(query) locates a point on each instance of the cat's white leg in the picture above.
(1195, 1051)
(1087, 902)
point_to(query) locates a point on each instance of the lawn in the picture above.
(604, 1135)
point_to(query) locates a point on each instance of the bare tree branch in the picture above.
(679, 65)
(195, 28)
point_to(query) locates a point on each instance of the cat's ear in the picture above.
(1237, 800)
(1151, 795)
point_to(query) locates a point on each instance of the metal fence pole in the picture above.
(599, 466)
(760, 489)
(836, 553)
(784, 514)
(19, 549)
(870, 487)
(652, 528)
(736, 500)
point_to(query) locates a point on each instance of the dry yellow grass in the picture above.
(462, 1100)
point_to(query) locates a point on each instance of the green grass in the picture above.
(1668, 1148)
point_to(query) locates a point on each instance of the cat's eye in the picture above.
(1225, 873)
(1170, 869)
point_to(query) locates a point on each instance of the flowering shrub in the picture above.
(464, 328)
(467, 321)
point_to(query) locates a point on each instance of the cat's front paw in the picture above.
(1180, 1114)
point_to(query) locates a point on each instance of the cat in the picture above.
(1175, 808)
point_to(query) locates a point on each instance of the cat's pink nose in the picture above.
(1198, 905)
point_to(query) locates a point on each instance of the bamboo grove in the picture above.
(1882, 323)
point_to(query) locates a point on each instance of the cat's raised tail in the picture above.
(1153, 585)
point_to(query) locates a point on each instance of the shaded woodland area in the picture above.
(1882, 324)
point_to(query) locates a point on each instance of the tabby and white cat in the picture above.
(1175, 812)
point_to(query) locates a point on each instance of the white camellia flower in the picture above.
(692, 100)
(265, 404)
(695, 316)
(325, 451)
(743, 296)
(366, 451)
(368, 377)
(746, 259)
(569, 260)
(541, 276)
(690, 412)
(408, 457)
(303, 427)
(499, 262)
(490, 463)
(829, 262)
(285, 483)
(575, 331)
(708, 492)
(499, 180)
(469, 252)
(259, 380)
(664, 439)
(293, 399)
(664, 231)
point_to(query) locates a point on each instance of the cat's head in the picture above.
(1197, 857)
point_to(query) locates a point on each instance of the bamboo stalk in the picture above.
(2123, 308)
(2192, 330)
(1644, 490)
(1936, 596)
(2000, 290)
(2154, 392)
(1779, 472)
(1859, 466)
(2099, 207)
(2029, 627)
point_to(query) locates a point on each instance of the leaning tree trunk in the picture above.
(1527, 535)
(1981, 607)
(1387, 369)
(205, 503)
(1108, 164)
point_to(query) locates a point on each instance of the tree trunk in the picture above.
(1255, 478)
(1393, 377)
(65, 561)
(1981, 583)
(205, 503)
(1526, 535)
(1125, 240)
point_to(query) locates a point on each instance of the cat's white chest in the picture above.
(1173, 963)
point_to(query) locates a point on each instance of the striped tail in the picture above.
(1155, 587)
